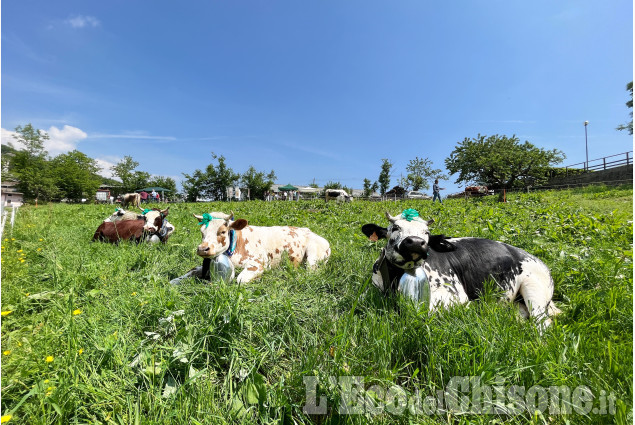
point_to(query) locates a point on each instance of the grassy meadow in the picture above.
(93, 333)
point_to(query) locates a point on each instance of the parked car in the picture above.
(413, 194)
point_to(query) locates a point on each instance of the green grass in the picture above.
(240, 353)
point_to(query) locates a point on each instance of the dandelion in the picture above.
(19, 250)
(81, 350)
(49, 359)
(41, 239)
(76, 312)
(46, 381)
(5, 418)
(27, 294)
(39, 249)
(12, 239)
(134, 294)
(6, 352)
(22, 260)
(6, 313)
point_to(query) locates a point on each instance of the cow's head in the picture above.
(154, 219)
(215, 229)
(408, 238)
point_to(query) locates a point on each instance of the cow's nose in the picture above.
(415, 245)
(203, 249)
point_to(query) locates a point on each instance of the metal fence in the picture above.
(625, 158)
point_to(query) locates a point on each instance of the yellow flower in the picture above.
(12, 239)
(22, 260)
(134, 294)
(6, 313)
(46, 381)
(7, 352)
(5, 418)
(41, 239)
(49, 359)
(39, 249)
(76, 312)
(19, 250)
(27, 294)
(81, 350)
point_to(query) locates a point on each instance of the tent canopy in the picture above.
(156, 189)
(287, 187)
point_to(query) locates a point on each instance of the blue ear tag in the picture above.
(232, 243)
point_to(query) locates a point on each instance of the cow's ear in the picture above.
(141, 217)
(440, 243)
(430, 221)
(374, 232)
(239, 224)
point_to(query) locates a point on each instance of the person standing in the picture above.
(435, 191)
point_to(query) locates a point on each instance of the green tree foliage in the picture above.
(629, 126)
(367, 188)
(384, 175)
(164, 182)
(193, 185)
(211, 183)
(501, 162)
(76, 175)
(130, 180)
(257, 182)
(332, 185)
(31, 166)
(420, 171)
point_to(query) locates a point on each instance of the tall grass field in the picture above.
(94, 333)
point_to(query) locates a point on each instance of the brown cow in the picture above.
(152, 228)
(133, 199)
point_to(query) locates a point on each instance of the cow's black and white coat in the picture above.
(457, 268)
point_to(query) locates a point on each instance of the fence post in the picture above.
(604, 159)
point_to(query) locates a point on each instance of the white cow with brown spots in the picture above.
(256, 248)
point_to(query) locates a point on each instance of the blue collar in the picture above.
(232, 243)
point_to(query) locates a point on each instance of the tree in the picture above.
(31, 165)
(419, 172)
(164, 182)
(257, 182)
(384, 175)
(628, 126)
(192, 185)
(332, 185)
(367, 188)
(76, 175)
(211, 183)
(501, 162)
(130, 179)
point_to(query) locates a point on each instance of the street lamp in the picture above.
(586, 144)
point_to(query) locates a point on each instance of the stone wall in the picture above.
(612, 176)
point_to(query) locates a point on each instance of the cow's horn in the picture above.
(391, 218)
(231, 215)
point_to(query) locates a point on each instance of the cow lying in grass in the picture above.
(457, 268)
(121, 214)
(255, 248)
(151, 227)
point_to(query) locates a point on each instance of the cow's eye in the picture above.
(395, 228)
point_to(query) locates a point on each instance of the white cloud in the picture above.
(60, 140)
(63, 140)
(7, 137)
(105, 163)
(80, 21)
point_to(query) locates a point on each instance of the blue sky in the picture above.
(315, 90)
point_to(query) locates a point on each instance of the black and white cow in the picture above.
(457, 268)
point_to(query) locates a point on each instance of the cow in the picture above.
(152, 227)
(339, 195)
(255, 248)
(133, 199)
(457, 268)
(121, 214)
